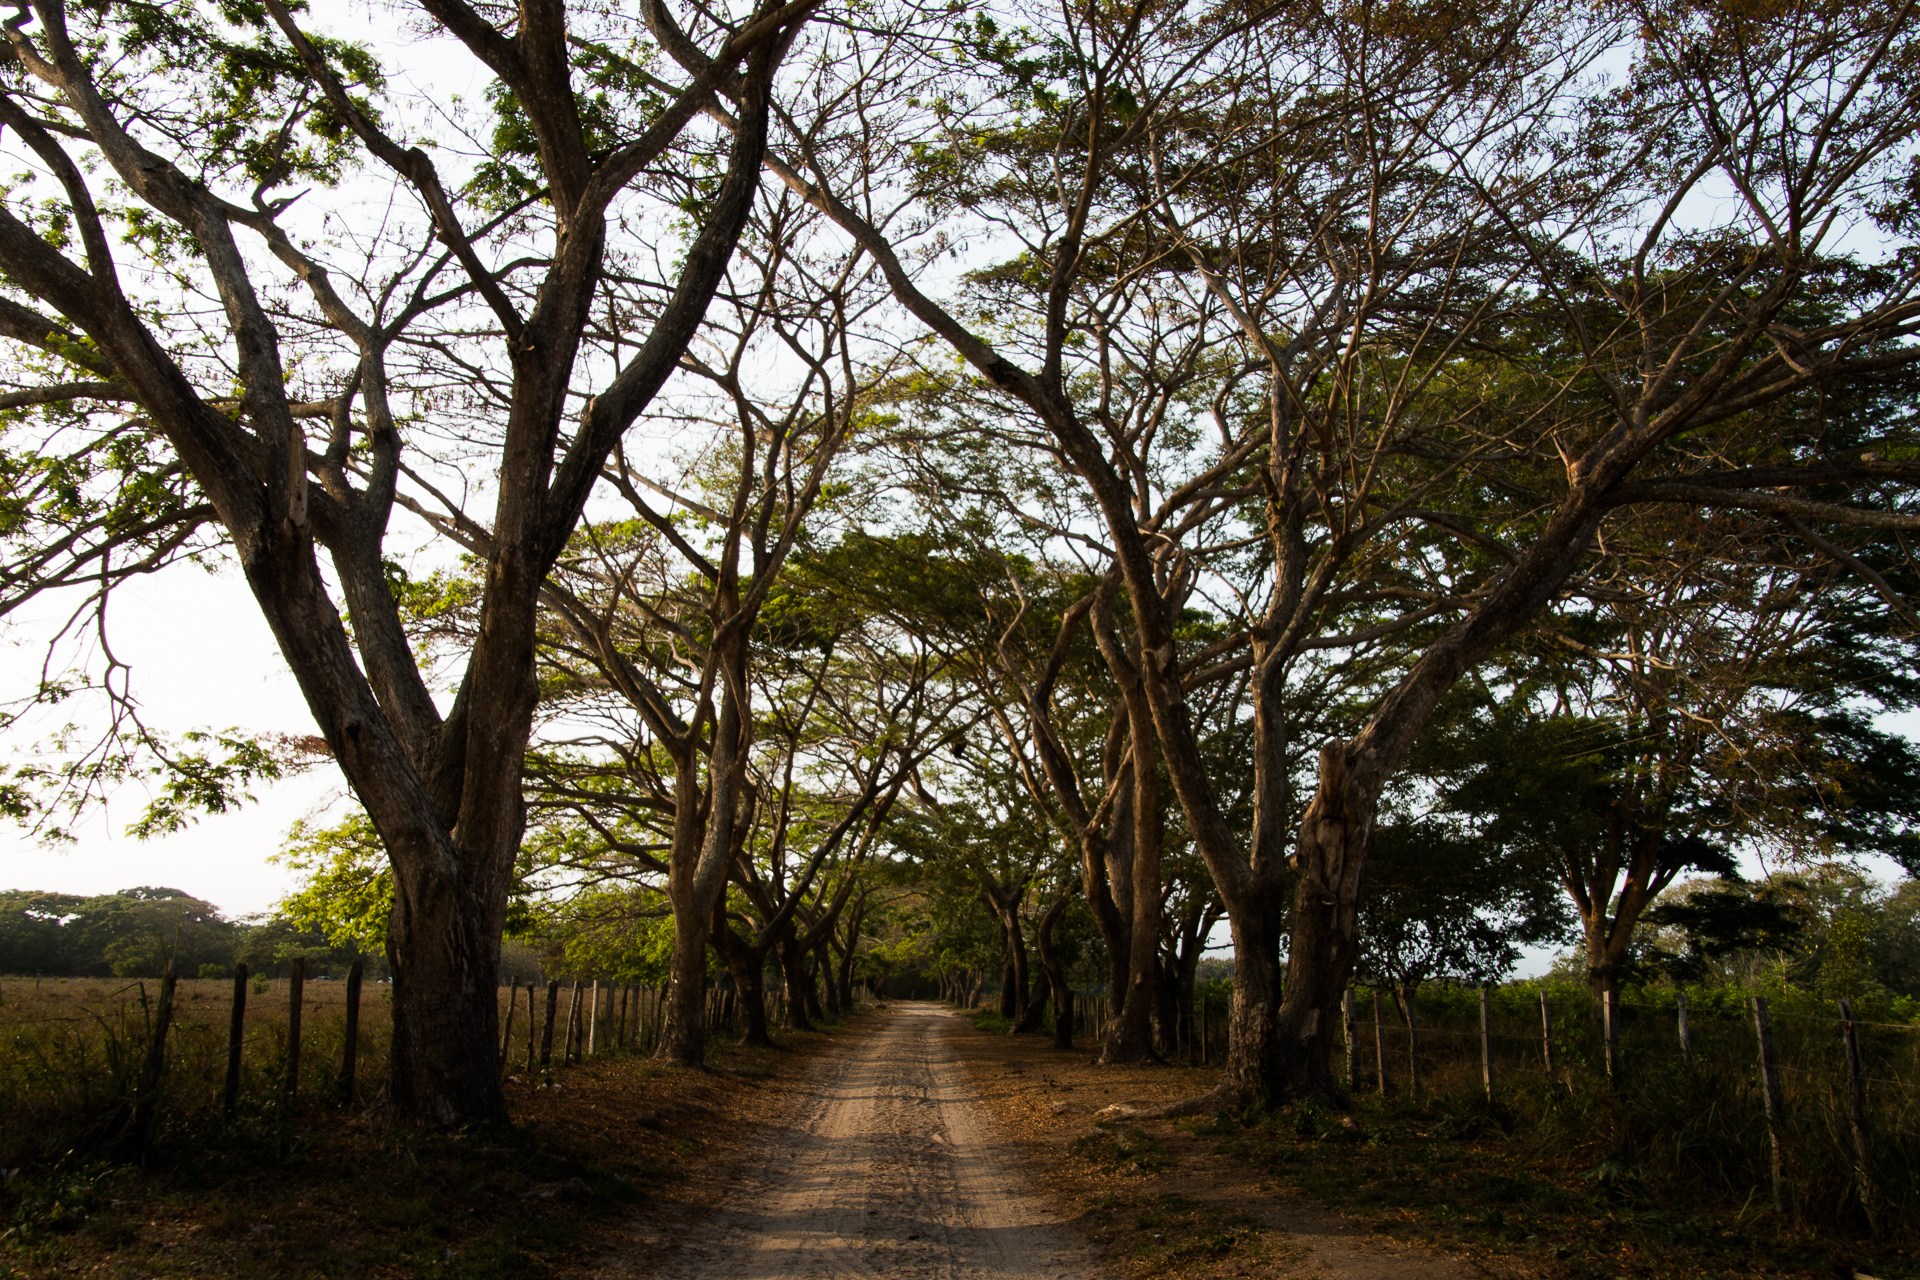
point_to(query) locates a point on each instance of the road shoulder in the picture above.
(725, 1120)
(1153, 1198)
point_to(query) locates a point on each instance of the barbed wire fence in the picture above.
(1797, 1095)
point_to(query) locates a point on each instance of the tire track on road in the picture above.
(892, 1175)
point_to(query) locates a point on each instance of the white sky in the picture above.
(202, 658)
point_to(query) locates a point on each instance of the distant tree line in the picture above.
(135, 932)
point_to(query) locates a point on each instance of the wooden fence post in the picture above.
(350, 1052)
(1857, 1114)
(1348, 1030)
(1413, 1042)
(296, 995)
(620, 1036)
(1686, 1030)
(532, 1024)
(1546, 1034)
(236, 1036)
(593, 1018)
(546, 1034)
(1379, 1045)
(146, 1105)
(506, 1030)
(1486, 1044)
(1206, 998)
(1610, 1033)
(1770, 1088)
(573, 1018)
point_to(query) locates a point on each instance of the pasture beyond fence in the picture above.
(1789, 1095)
(93, 1068)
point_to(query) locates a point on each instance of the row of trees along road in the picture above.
(1243, 430)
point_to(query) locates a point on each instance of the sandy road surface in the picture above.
(890, 1172)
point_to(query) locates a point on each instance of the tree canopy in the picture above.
(750, 456)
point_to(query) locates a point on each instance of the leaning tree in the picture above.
(191, 275)
(1480, 279)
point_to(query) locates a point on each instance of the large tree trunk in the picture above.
(444, 955)
(697, 867)
(1016, 980)
(1166, 1004)
(1055, 973)
(809, 977)
(829, 984)
(1193, 942)
(793, 970)
(749, 985)
(1130, 1033)
(683, 1039)
(1335, 837)
(1252, 1070)
(847, 954)
(1606, 948)
(1106, 866)
(748, 966)
(1029, 1006)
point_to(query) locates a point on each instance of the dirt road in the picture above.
(889, 1171)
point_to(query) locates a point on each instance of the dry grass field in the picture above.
(323, 1187)
(71, 1047)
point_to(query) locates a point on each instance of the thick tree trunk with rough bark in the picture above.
(1166, 1005)
(1055, 973)
(1252, 1070)
(1107, 873)
(683, 1037)
(1016, 978)
(793, 971)
(1030, 999)
(683, 1032)
(1335, 837)
(1130, 1034)
(829, 982)
(749, 988)
(748, 965)
(445, 1002)
(848, 952)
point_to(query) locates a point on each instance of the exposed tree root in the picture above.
(1224, 1094)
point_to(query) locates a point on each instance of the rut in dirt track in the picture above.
(893, 1174)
